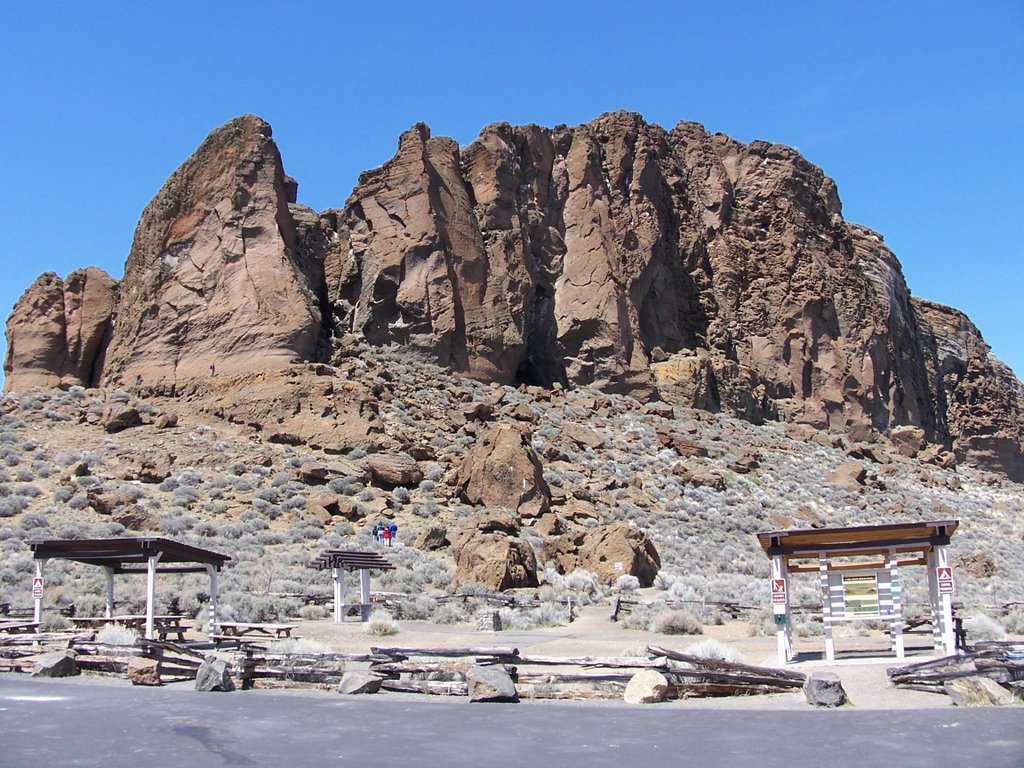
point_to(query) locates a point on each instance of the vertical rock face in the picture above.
(57, 331)
(979, 398)
(214, 277)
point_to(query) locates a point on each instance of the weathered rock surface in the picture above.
(608, 552)
(648, 686)
(215, 276)
(143, 671)
(57, 331)
(491, 684)
(613, 254)
(394, 469)
(502, 470)
(488, 550)
(824, 689)
(977, 691)
(356, 682)
(214, 675)
(56, 664)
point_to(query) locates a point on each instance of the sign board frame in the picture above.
(778, 591)
(37, 587)
(944, 576)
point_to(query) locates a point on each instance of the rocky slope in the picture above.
(615, 254)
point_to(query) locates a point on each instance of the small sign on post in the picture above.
(945, 579)
(37, 587)
(778, 591)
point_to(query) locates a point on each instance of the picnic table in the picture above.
(238, 629)
(18, 627)
(163, 626)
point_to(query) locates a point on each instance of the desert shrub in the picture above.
(544, 615)
(53, 622)
(627, 584)
(296, 645)
(295, 502)
(712, 649)
(109, 530)
(13, 505)
(72, 531)
(78, 501)
(312, 612)
(642, 618)
(450, 612)
(117, 634)
(342, 485)
(982, 627)
(420, 607)
(381, 625)
(205, 528)
(677, 621)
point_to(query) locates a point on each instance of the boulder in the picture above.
(143, 671)
(977, 691)
(432, 538)
(356, 682)
(487, 551)
(583, 436)
(608, 552)
(214, 675)
(824, 689)
(56, 664)
(849, 474)
(909, 441)
(501, 469)
(118, 416)
(491, 683)
(648, 686)
(696, 474)
(394, 469)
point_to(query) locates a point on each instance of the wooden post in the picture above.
(109, 571)
(211, 622)
(364, 593)
(151, 592)
(37, 612)
(895, 591)
(826, 606)
(783, 638)
(339, 594)
(933, 602)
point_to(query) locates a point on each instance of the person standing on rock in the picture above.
(392, 533)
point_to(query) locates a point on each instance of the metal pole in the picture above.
(339, 594)
(783, 639)
(38, 608)
(151, 592)
(364, 596)
(826, 606)
(946, 601)
(896, 591)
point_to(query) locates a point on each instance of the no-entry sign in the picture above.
(779, 591)
(945, 579)
(37, 587)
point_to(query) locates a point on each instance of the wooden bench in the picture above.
(19, 627)
(236, 629)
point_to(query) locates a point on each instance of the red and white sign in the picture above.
(945, 578)
(37, 587)
(779, 591)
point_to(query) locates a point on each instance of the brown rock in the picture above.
(501, 469)
(609, 552)
(215, 280)
(978, 564)
(143, 671)
(393, 469)
(849, 474)
(648, 686)
(582, 436)
(485, 551)
(118, 416)
(909, 441)
(433, 538)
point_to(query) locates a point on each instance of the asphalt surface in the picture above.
(52, 723)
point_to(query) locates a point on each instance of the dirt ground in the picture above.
(862, 663)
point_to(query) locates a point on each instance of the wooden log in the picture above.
(447, 652)
(100, 663)
(543, 693)
(556, 678)
(682, 691)
(420, 667)
(432, 687)
(701, 676)
(294, 674)
(617, 662)
(701, 664)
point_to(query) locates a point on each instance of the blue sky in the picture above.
(915, 109)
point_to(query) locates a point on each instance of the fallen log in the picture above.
(618, 662)
(449, 652)
(556, 678)
(727, 671)
(685, 690)
(421, 667)
(433, 687)
(531, 693)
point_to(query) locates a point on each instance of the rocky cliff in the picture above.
(613, 254)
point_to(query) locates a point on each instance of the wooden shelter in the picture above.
(341, 560)
(145, 554)
(859, 572)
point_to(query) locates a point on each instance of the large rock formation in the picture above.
(57, 331)
(613, 254)
(214, 277)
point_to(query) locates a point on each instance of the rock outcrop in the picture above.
(503, 470)
(614, 254)
(607, 551)
(57, 332)
(488, 550)
(215, 280)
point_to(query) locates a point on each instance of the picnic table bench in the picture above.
(18, 627)
(238, 629)
(163, 626)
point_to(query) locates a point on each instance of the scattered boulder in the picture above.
(56, 664)
(648, 686)
(394, 469)
(106, 501)
(978, 564)
(214, 675)
(488, 551)
(686, 447)
(977, 691)
(824, 689)
(356, 682)
(143, 671)
(583, 436)
(609, 552)
(696, 474)
(433, 538)
(909, 441)
(118, 416)
(502, 470)
(166, 421)
(849, 474)
(491, 683)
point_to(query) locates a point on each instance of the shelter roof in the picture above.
(910, 536)
(122, 553)
(353, 560)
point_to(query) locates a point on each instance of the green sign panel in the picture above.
(780, 619)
